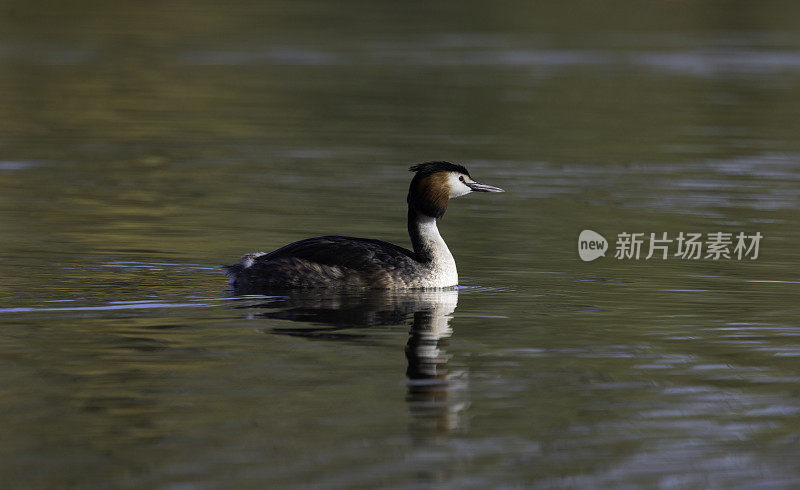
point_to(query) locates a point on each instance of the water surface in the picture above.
(142, 146)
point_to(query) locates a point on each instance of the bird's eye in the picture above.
(461, 178)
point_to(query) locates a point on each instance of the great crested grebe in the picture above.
(347, 262)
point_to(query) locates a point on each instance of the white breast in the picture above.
(443, 272)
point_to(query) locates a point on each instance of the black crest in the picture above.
(429, 192)
(428, 168)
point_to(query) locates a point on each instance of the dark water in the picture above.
(144, 144)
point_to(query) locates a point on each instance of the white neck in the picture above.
(430, 247)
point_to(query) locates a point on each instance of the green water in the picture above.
(142, 145)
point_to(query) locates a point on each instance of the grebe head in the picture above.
(436, 182)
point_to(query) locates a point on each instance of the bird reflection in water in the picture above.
(437, 392)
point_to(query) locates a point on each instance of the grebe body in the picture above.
(348, 262)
